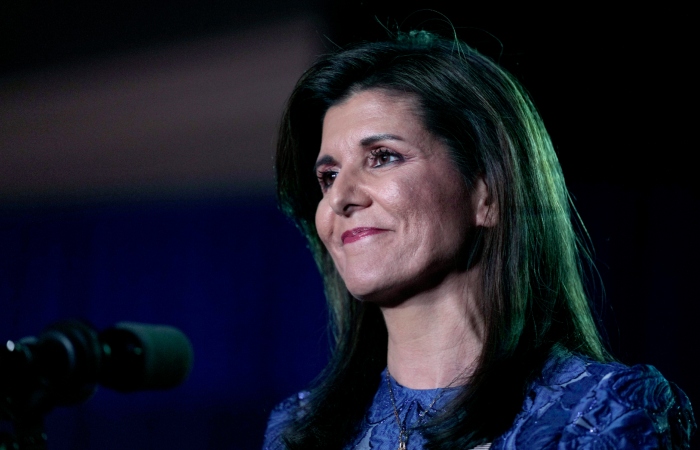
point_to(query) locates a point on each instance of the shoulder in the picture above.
(581, 403)
(280, 417)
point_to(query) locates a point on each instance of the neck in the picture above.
(436, 337)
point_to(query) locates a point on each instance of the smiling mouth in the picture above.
(356, 234)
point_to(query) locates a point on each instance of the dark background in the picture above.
(200, 245)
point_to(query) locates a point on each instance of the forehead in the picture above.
(372, 112)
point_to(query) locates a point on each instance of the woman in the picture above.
(439, 218)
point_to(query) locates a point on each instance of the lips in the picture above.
(356, 234)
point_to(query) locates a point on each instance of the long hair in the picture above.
(533, 299)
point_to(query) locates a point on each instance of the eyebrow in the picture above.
(326, 159)
(365, 142)
(369, 140)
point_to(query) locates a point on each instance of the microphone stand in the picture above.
(21, 406)
(34, 379)
(27, 435)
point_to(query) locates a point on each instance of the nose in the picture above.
(348, 193)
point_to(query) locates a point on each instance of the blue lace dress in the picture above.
(576, 403)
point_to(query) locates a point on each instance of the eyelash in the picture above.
(383, 152)
(326, 177)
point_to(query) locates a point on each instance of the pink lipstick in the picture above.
(356, 234)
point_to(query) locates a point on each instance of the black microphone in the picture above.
(138, 356)
(63, 365)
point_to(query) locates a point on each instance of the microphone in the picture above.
(139, 356)
(64, 364)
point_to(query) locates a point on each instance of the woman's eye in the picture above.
(325, 178)
(383, 156)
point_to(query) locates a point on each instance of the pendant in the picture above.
(402, 445)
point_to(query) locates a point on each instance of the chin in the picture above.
(368, 280)
(362, 294)
(383, 295)
(404, 286)
(365, 290)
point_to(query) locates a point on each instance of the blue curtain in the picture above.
(233, 275)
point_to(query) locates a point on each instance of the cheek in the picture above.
(323, 222)
(415, 198)
(402, 194)
(439, 205)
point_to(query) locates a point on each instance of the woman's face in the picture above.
(395, 213)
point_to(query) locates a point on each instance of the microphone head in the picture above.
(140, 356)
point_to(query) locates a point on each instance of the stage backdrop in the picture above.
(234, 276)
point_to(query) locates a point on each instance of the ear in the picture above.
(485, 206)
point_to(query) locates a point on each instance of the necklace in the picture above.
(403, 432)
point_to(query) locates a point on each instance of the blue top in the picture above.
(576, 403)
